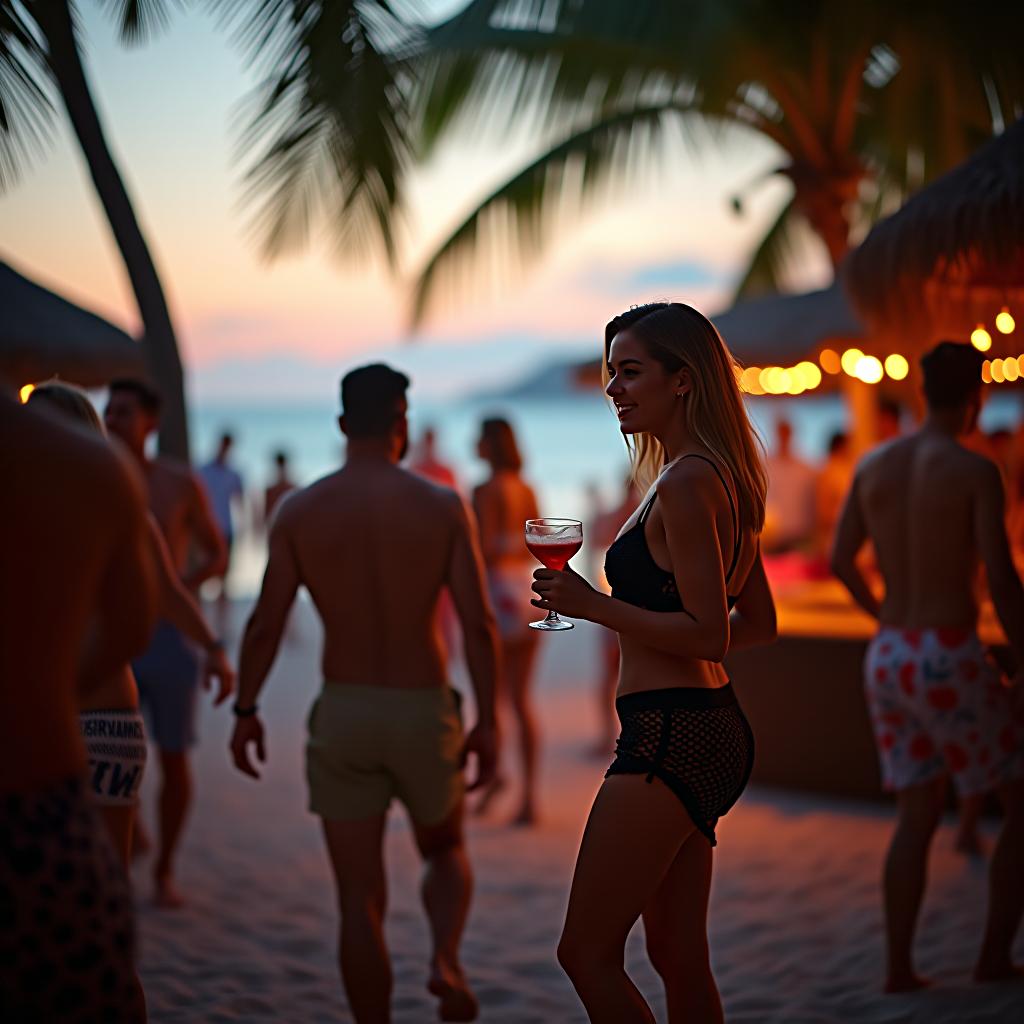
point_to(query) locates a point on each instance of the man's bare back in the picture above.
(76, 562)
(374, 544)
(920, 499)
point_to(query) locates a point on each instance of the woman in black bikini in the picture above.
(687, 586)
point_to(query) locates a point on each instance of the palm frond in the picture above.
(139, 20)
(514, 222)
(327, 132)
(776, 255)
(26, 109)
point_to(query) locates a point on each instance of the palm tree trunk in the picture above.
(161, 348)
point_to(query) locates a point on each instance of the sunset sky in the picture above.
(171, 113)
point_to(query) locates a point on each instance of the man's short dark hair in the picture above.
(148, 397)
(952, 374)
(370, 398)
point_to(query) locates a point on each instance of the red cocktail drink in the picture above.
(553, 542)
(554, 555)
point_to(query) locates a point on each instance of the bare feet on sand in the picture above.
(456, 1001)
(166, 894)
(905, 982)
(998, 972)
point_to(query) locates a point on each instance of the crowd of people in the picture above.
(103, 621)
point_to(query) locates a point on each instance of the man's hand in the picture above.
(568, 593)
(482, 741)
(217, 666)
(248, 730)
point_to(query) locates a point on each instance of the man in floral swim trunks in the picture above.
(940, 709)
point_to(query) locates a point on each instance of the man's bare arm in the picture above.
(207, 534)
(268, 619)
(994, 550)
(466, 582)
(851, 533)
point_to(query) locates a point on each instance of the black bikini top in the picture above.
(634, 575)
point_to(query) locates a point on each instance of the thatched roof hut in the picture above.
(44, 335)
(953, 255)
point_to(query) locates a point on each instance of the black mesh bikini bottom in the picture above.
(695, 739)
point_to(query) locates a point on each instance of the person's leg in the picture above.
(519, 660)
(1006, 890)
(446, 892)
(968, 839)
(919, 809)
(356, 852)
(632, 838)
(174, 801)
(675, 922)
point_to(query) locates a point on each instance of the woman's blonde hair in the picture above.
(69, 400)
(679, 338)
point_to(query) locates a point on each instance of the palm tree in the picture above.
(40, 55)
(864, 100)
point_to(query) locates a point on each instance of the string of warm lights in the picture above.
(1003, 371)
(806, 376)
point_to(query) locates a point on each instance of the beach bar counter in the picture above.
(804, 694)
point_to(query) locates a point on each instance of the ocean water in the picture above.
(570, 444)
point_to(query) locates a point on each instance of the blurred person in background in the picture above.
(502, 505)
(831, 489)
(112, 726)
(275, 491)
(940, 710)
(426, 462)
(167, 673)
(225, 490)
(790, 511)
(78, 595)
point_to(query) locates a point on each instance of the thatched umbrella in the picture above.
(953, 255)
(43, 335)
(788, 328)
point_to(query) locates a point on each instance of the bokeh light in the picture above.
(830, 361)
(981, 339)
(1005, 322)
(851, 357)
(896, 366)
(25, 392)
(869, 369)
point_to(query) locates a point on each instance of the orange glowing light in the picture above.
(830, 361)
(981, 339)
(25, 392)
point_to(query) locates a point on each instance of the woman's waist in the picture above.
(645, 668)
(670, 698)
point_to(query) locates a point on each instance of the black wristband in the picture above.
(241, 712)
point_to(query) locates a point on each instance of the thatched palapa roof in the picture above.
(954, 253)
(43, 335)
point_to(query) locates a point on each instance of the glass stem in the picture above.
(552, 616)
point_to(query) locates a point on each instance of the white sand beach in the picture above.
(795, 918)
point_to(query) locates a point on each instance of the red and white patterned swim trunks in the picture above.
(939, 707)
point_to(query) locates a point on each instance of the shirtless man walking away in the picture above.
(77, 599)
(168, 672)
(938, 706)
(374, 545)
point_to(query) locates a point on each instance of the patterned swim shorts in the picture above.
(939, 707)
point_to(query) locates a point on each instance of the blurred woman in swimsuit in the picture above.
(687, 586)
(502, 505)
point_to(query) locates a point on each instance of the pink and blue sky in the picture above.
(171, 112)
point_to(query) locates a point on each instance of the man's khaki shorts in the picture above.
(368, 744)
